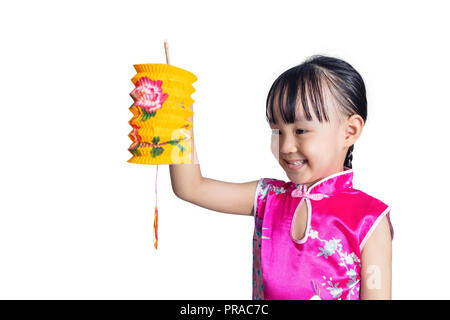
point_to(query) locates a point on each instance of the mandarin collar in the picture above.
(332, 184)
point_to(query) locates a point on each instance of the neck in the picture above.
(309, 184)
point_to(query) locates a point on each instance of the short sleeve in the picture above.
(261, 192)
(263, 188)
(375, 214)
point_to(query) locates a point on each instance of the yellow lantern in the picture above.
(160, 122)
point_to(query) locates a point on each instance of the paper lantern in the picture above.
(161, 114)
(160, 122)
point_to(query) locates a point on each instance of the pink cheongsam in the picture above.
(326, 262)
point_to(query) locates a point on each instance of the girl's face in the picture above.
(322, 146)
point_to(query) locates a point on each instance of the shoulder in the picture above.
(265, 188)
(270, 184)
(363, 199)
(371, 211)
(359, 205)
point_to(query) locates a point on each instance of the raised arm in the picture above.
(227, 197)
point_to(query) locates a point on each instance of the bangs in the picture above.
(301, 85)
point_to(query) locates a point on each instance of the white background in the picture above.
(77, 219)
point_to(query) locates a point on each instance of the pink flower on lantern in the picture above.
(148, 94)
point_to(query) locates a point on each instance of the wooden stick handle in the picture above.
(166, 48)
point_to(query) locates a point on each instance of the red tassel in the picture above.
(155, 229)
(155, 222)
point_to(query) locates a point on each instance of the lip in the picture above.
(294, 167)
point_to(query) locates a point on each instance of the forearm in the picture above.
(227, 197)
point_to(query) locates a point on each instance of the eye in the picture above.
(278, 132)
(275, 131)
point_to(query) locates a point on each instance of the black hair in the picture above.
(306, 81)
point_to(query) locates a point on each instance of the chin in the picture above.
(299, 177)
(296, 178)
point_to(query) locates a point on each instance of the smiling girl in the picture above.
(315, 236)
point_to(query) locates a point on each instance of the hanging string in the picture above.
(155, 222)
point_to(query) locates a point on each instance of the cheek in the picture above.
(316, 151)
(309, 148)
(326, 148)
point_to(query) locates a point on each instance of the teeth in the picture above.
(299, 162)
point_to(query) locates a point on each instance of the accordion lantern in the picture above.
(160, 122)
(161, 112)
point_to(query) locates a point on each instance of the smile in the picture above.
(295, 165)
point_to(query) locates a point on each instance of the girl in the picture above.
(315, 237)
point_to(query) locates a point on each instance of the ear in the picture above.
(353, 128)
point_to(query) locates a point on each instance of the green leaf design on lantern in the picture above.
(146, 115)
(181, 147)
(155, 140)
(135, 152)
(173, 142)
(156, 151)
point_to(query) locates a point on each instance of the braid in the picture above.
(349, 157)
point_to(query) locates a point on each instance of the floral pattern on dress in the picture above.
(349, 261)
(266, 186)
(278, 190)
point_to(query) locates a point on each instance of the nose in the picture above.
(287, 144)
